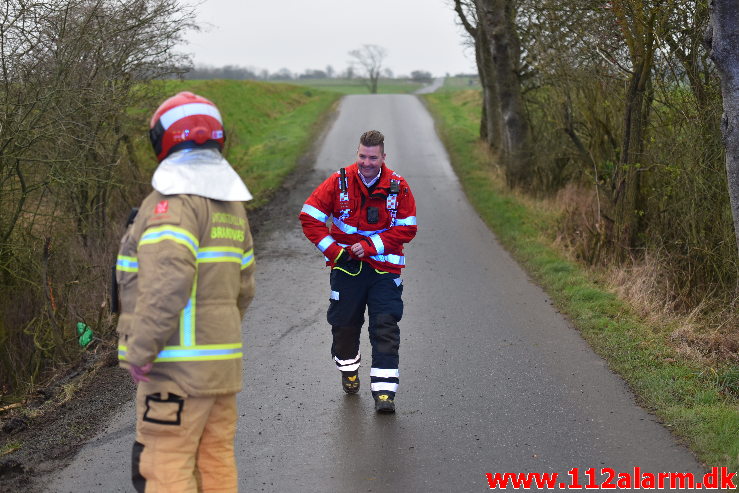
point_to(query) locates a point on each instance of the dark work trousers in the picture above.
(354, 286)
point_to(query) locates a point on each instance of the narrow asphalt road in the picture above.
(492, 378)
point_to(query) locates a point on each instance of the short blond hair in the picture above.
(372, 138)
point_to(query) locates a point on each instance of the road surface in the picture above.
(435, 84)
(492, 378)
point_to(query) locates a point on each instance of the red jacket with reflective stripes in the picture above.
(383, 240)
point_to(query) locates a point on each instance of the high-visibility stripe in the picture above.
(221, 254)
(408, 221)
(248, 259)
(350, 230)
(379, 245)
(325, 243)
(342, 362)
(390, 259)
(198, 354)
(179, 112)
(384, 372)
(187, 317)
(314, 213)
(348, 364)
(377, 386)
(335, 295)
(173, 233)
(127, 264)
(209, 352)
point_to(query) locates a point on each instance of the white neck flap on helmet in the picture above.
(202, 172)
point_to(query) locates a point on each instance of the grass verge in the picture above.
(690, 397)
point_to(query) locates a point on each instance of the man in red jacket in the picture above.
(373, 214)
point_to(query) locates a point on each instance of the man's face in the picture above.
(369, 160)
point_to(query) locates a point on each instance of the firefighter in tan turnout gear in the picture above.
(185, 274)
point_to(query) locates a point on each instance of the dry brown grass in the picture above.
(705, 332)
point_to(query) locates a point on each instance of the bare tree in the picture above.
(71, 74)
(370, 59)
(490, 131)
(722, 36)
(497, 19)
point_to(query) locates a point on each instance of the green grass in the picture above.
(697, 403)
(268, 127)
(356, 86)
(460, 83)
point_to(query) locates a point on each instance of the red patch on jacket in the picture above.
(161, 207)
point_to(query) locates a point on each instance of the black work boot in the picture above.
(384, 403)
(350, 381)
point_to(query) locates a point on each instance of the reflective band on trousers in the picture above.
(343, 362)
(384, 372)
(377, 386)
(348, 364)
(209, 352)
(314, 213)
(127, 264)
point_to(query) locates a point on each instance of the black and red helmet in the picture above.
(183, 121)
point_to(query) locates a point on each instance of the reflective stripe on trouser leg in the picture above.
(385, 339)
(385, 306)
(384, 380)
(348, 364)
(169, 428)
(345, 347)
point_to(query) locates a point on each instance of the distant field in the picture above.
(460, 83)
(355, 86)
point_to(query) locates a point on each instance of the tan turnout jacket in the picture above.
(185, 273)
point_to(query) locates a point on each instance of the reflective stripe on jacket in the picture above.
(185, 272)
(383, 240)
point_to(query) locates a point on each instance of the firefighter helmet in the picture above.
(183, 121)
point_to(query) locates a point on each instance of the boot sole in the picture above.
(385, 409)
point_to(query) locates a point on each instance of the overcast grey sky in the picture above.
(311, 34)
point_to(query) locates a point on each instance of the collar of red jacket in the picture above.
(382, 185)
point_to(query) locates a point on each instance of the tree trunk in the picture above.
(627, 179)
(497, 21)
(723, 43)
(491, 119)
(373, 82)
(490, 115)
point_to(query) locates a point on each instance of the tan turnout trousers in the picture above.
(184, 444)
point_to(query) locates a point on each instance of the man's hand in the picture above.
(358, 249)
(138, 373)
(343, 257)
